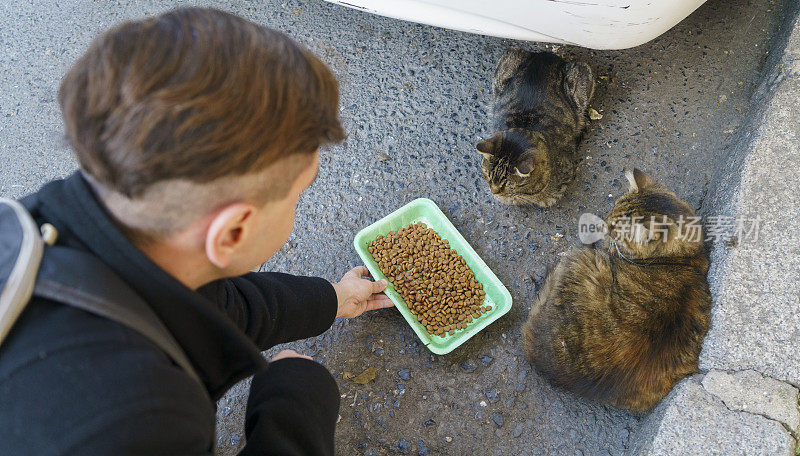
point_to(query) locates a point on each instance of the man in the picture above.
(196, 131)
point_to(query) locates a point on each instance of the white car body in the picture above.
(596, 24)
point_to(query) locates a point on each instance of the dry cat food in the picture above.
(432, 278)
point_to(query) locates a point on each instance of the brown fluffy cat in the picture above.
(624, 324)
(539, 115)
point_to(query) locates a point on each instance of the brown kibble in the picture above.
(430, 276)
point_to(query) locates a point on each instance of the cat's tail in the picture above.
(528, 334)
(529, 328)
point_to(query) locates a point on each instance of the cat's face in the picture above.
(650, 221)
(515, 165)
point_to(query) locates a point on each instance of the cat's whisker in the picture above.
(619, 253)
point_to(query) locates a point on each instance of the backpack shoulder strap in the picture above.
(28, 267)
(21, 249)
(80, 280)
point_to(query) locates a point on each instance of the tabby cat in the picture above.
(540, 109)
(625, 323)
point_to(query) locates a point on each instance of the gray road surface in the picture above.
(415, 100)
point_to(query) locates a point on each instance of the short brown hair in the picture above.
(195, 95)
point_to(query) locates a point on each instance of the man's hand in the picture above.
(356, 295)
(283, 354)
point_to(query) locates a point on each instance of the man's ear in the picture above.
(228, 233)
(490, 146)
(638, 180)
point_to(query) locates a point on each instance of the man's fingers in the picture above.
(379, 285)
(379, 303)
(378, 297)
(283, 354)
(358, 272)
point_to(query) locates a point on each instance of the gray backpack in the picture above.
(31, 265)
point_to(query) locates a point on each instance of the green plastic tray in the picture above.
(425, 210)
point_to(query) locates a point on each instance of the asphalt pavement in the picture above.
(415, 100)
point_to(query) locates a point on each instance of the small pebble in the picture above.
(497, 417)
(448, 439)
(492, 395)
(486, 359)
(517, 431)
(520, 388)
(469, 366)
(405, 374)
(403, 446)
(429, 422)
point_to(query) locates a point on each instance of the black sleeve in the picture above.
(292, 410)
(78, 384)
(273, 308)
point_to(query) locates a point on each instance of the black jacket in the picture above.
(75, 383)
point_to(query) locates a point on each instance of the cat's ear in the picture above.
(523, 169)
(579, 84)
(490, 146)
(508, 67)
(638, 179)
